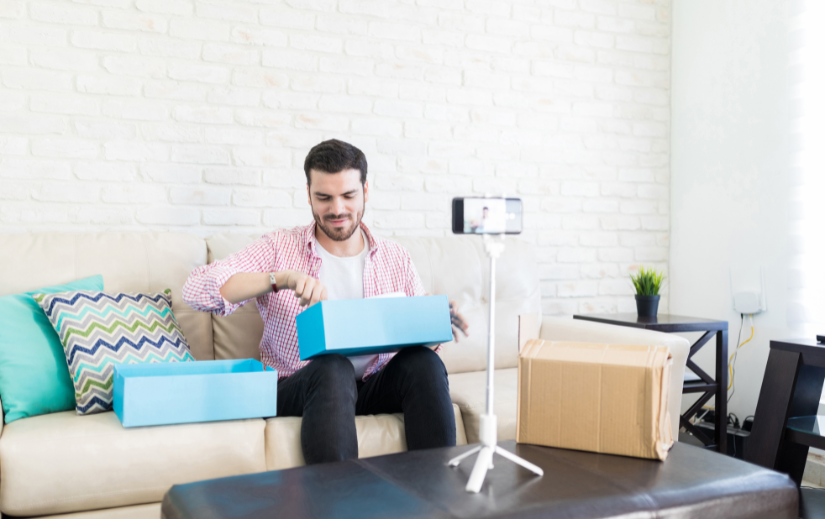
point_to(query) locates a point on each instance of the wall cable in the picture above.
(732, 359)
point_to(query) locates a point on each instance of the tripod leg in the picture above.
(479, 470)
(515, 459)
(458, 459)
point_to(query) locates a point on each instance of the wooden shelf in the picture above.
(698, 387)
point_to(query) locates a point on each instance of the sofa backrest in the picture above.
(128, 262)
(455, 266)
(151, 261)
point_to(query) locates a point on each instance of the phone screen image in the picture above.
(485, 216)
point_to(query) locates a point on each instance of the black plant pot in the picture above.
(647, 306)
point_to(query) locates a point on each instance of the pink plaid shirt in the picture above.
(388, 268)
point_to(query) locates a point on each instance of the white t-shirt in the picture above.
(344, 279)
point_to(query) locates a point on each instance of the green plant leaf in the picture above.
(647, 281)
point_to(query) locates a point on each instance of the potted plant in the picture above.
(648, 282)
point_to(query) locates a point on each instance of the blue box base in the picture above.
(191, 392)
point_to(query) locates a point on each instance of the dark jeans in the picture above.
(327, 395)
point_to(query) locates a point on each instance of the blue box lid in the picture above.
(375, 325)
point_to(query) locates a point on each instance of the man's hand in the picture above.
(457, 320)
(247, 285)
(306, 287)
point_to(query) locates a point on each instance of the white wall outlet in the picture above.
(747, 288)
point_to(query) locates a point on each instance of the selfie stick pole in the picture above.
(488, 426)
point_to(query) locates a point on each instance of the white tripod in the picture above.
(488, 426)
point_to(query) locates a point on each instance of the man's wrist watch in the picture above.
(273, 282)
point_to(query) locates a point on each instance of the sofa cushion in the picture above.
(126, 512)
(63, 462)
(128, 261)
(469, 392)
(34, 379)
(101, 329)
(377, 435)
(236, 336)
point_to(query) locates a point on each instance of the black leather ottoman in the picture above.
(691, 483)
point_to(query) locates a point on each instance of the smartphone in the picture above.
(487, 215)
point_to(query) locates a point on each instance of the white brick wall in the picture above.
(196, 116)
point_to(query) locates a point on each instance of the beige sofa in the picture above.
(64, 465)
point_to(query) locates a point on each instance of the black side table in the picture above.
(785, 424)
(707, 385)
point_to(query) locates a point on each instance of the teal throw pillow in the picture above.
(99, 330)
(34, 377)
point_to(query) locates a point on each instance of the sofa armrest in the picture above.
(574, 330)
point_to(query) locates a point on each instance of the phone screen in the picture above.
(487, 216)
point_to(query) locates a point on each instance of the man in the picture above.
(335, 257)
(479, 227)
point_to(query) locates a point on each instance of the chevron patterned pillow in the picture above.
(100, 329)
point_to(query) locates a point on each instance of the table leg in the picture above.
(721, 411)
(805, 402)
(772, 408)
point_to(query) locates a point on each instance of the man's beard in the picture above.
(338, 234)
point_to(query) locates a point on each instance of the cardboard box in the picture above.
(595, 397)
(185, 392)
(376, 325)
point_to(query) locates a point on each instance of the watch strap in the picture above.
(273, 282)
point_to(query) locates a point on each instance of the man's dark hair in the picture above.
(333, 156)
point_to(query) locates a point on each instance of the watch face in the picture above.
(271, 278)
